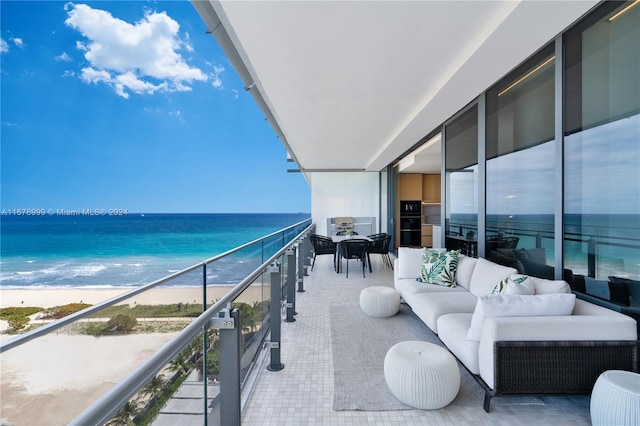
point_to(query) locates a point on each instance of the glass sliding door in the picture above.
(602, 144)
(461, 182)
(520, 167)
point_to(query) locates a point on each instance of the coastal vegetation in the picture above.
(18, 317)
(198, 361)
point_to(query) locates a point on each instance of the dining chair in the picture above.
(380, 245)
(354, 249)
(322, 245)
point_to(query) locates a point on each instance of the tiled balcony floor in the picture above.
(302, 393)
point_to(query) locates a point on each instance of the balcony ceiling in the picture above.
(352, 85)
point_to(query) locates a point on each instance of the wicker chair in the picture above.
(380, 245)
(509, 242)
(322, 245)
(354, 249)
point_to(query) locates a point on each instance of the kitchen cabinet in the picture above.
(409, 186)
(431, 188)
(427, 236)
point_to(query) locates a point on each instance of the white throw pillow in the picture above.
(465, 270)
(515, 284)
(513, 305)
(485, 276)
(409, 262)
(544, 286)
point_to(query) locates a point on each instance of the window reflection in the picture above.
(520, 151)
(602, 145)
(461, 164)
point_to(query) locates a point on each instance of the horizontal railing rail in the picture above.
(594, 238)
(109, 404)
(55, 325)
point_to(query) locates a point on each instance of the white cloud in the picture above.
(216, 81)
(91, 75)
(63, 57)
(141, 58)
(4, 46)
(18, 42)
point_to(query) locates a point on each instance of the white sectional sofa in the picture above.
(547, 342)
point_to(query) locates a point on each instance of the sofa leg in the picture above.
(487, 402)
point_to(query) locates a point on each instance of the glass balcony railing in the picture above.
(179, 350)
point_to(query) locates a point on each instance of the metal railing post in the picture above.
(228, 322)
(290, 285)
(591, 258)
(308, 254)
(275, 339)
(301, 268)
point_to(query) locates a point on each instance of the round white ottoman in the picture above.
(380, 301)
(615, 399)
(421, 374)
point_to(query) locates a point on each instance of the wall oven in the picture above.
(410, 208)
(410, 223)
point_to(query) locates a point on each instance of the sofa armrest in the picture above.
(566, 327)
(556, 367)
(616, 327)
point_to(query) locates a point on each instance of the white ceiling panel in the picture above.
(355, 84)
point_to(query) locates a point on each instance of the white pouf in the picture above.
(421, 374)
(615, 399)
(380, 301)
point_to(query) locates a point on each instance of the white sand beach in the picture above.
(49, 297)
(52, 379)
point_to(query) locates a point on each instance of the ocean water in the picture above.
(124, 250)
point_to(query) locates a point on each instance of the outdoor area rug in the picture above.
(360, 344)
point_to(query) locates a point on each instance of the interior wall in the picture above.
(338, 194)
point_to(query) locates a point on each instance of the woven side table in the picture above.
(421, 374)
(615, 399)
(379, 301)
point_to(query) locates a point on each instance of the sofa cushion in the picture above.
(515, 284)
(452, 331)
(486, 275)
(513, 305)
(409, 262)
(535, 255)
(431, 306)
(439, 267)
(466, 265)
(409, 286)
(544, 286)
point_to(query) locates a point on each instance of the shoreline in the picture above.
(48, 297)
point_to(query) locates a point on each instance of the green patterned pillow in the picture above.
(515, 284)
(439, 267)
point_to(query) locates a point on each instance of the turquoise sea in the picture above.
(60, 250)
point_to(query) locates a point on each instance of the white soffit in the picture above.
(354, 84)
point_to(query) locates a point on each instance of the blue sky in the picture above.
(130, 105)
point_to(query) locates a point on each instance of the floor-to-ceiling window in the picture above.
(602, 143)
(520, 166)
(461, 174)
